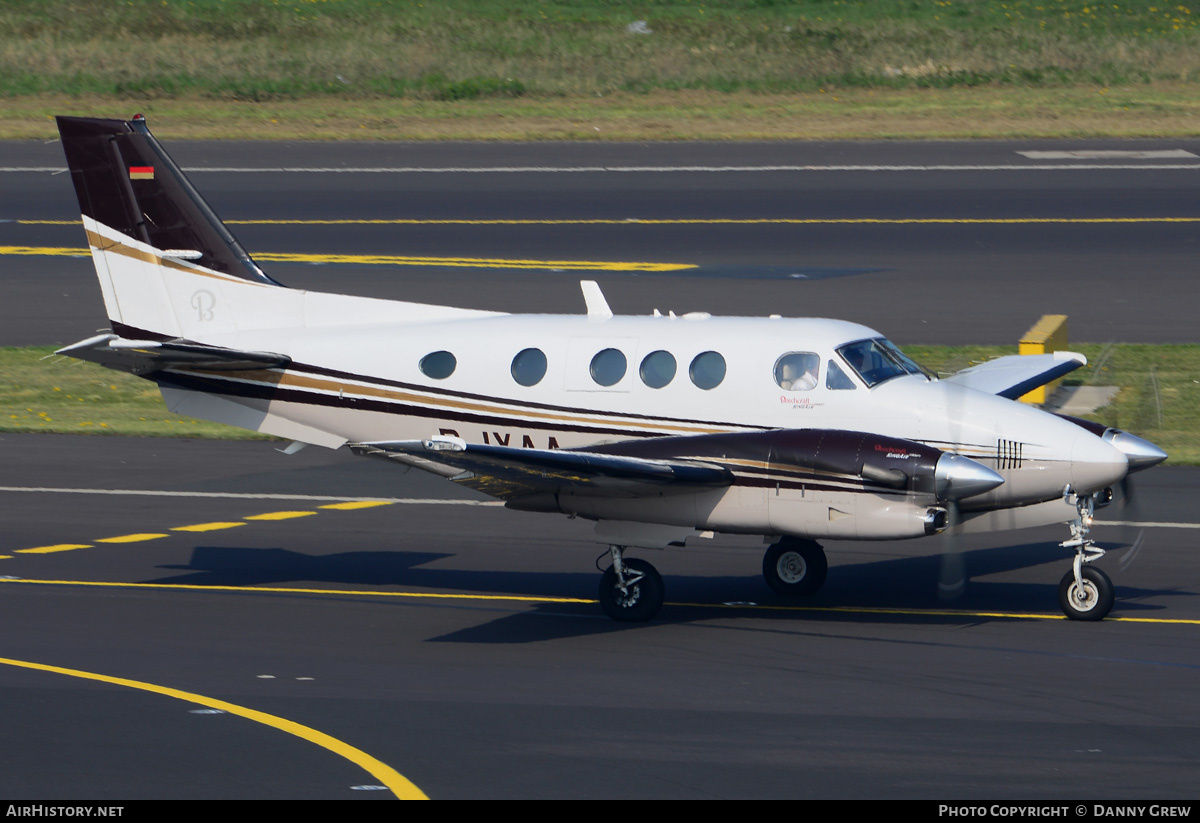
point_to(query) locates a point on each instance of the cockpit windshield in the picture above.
(878, 360)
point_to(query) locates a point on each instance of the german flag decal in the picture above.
(141, 172)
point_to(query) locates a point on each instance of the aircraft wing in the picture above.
(1017, 374)
(664, 466)
(146, 356)
(507, 473)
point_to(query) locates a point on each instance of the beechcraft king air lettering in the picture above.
(659, 428)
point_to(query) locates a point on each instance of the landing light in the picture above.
(936, 521)
(445, 443)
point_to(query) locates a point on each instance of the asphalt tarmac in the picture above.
(266, 636)
(454, 642)
(927, 242)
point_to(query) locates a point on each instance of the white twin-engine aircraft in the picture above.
(658, 427)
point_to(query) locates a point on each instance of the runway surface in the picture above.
(267, 633)
(928, 242)
(513, 686)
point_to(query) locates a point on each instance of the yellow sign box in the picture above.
(1047, 335)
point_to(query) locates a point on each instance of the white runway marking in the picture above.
(419, 501)
(1146, 525)
(654, 169)
(1103, 154)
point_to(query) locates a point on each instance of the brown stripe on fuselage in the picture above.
(779, 477)
(292, 380)
(214, 384)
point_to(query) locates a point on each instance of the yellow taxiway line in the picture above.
(399, 785)
(516, 598)
(400, 260)
(352, 505)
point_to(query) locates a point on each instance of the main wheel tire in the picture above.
(795, 568)
(640, 601)
(1092, 601)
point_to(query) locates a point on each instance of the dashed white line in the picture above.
(664, 169)
(1109, 154)
(1146, 524)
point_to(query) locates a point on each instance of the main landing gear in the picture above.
(1085, 592)
(795, 567)
(631, 590)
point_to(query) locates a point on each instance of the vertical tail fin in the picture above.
(164, 259)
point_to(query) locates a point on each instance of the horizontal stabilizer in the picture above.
(146, 356)
(1017, 374)
(507, 472)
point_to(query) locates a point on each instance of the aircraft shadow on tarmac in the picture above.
(906, 583)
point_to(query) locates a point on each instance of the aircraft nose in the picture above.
(1095, 463)
(1141, 454)
(957, 477)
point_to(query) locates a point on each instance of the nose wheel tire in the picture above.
(1090, 601)
(639, 599)
(795, 568)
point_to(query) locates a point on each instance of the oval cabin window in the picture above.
(529, 367)
(608, 367)
(658, 369)
(439, 365)
(707, 370)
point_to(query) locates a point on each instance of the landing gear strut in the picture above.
(1085, 593)
(631, 590)
(795, 567)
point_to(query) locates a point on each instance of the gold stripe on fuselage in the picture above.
(294, 380)
(99, 242)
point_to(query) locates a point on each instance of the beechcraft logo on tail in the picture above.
(141, 172)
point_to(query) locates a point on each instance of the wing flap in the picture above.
(146, 356)
(1017, 374)
(508, 473)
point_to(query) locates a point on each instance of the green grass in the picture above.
(1144, 111)
(459, 49)
(357, 60)
(40, 392)
(1159, 397)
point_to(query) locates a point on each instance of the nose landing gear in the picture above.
(1085, 593)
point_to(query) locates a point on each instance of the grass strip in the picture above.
(41, 392)
(1158, 110)
(1159, 395)
(453, 50)
(604, 69)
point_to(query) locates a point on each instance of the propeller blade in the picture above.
(952, 571)
(1125, 489)
(1128, 557)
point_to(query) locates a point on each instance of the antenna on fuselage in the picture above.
(597, 306)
